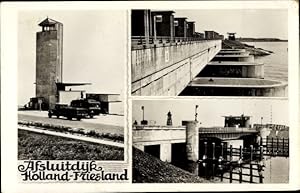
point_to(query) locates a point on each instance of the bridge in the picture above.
(169, 58)
(165, 69)
(163, 141)
(226, 133)
(166, 52)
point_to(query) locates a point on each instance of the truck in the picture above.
(92, 106)
(68, 111)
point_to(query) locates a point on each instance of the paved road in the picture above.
(74, 123)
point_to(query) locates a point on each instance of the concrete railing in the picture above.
(141, 40)
(158, 127)
(158, 134)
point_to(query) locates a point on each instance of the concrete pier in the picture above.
(151, 136)
(192, 140)
(233, 69)
(233, 72)
(216, 86)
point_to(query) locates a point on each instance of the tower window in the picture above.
(158, 18)
(175, 23)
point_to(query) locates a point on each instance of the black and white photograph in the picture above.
(231, 52)
(149, 96)
(210, 141)
(71, 85)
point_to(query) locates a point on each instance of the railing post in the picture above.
(251, 153)
(205, 170)
(213, 169)
(272, 146)
(241, 152)
(220, 160)
(261, 153)
(222, 149)
(267, 144)
(261, 179)
(288, 147)
(213, 151)
(241, 173)
(283, 149)
(240, 165)
(222, 174)
(251, 173)
(230, 153)
(205, 150)
(260, 174)
(277, 146)
(230, 174)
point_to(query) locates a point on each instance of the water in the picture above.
(276, 170)
(276, 64)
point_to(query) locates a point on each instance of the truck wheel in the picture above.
(49, 115)
(78, 118)
(91, 116)
(69, 118)
(57, 116)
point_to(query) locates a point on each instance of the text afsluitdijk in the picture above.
(34, 170)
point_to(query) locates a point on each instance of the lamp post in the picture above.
(143, 113)
(261, 120)
(169, 119)
(196, 114)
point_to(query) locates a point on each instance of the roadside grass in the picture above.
(80, 131)
(34, 146)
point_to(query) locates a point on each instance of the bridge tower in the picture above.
(231, 36)
(49, 55)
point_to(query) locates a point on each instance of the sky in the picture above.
(256, 23)
(94, 46)
(211, 111)
(94, 49)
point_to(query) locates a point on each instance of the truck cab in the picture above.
(68, 111)
(92, 106)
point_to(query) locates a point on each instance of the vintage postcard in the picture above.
(150, 96)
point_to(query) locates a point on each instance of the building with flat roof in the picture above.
(180, 24)
(190, 29)
(163, 23)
